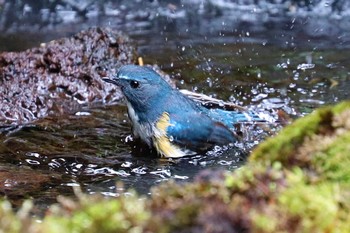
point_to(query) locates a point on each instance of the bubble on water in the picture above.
(225, 163)
(126, 164)
(82, 114)
(110, 194)
(305, 66)
(139, 170)
(107, 171)
(76, 167)
(32, 162)
(282, 65)
(72, 184)
(180, 177)
(54, 164)
(312, 101)
(33, 154)
(259, 97)
(163, 173)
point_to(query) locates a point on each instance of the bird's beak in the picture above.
(113, 81)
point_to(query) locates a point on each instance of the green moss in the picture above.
(282, 146)
(97, 214)
(333, 163)
(341, 107)
(315, 207)
(262, 222)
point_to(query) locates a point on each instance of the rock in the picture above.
(61, 76)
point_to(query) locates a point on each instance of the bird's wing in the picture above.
(195, 130)
(229, 118)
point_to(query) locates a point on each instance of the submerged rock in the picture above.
(60, 76)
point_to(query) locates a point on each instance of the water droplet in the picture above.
(210, 82)
(129, 138)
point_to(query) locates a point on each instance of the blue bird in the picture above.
(168, 120)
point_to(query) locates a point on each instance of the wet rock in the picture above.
(60, 76)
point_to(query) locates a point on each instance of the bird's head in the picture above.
(141, 86)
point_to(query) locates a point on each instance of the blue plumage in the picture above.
(168, 120)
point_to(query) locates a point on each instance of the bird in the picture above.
(169, 121)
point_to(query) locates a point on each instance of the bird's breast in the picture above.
(142, 130)
(155, 134)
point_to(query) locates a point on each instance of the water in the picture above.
(270, 66)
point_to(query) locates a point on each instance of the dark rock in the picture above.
(60, 76)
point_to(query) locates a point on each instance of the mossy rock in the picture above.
(319, 143)
(297, 181)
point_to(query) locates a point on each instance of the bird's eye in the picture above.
(134, 84)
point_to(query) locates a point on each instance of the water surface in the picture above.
(260, 66)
